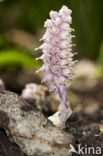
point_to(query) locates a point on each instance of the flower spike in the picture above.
(58, 60)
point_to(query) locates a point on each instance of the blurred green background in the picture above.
(21, 26)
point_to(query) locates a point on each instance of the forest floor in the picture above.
(85, 124)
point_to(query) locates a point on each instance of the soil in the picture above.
(7, 148)
(85, 127)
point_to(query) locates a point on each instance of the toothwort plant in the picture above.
(58, 60)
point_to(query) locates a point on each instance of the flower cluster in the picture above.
(57, 52)
(29, 92)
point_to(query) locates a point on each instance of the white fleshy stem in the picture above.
(64, 110)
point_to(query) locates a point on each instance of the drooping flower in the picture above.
(58, 59)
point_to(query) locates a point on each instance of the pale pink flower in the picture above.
(2, 85)
(58, 59)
